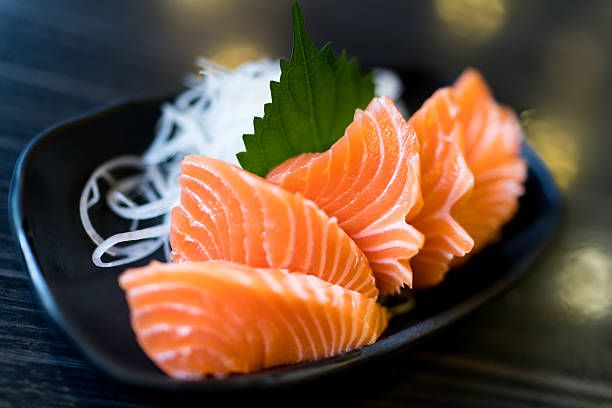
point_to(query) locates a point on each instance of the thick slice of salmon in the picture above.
(218, 318)
(370, 181)
(446, 181)
(492, 145)
(228, 214)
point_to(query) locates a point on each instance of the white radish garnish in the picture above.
(209, 118)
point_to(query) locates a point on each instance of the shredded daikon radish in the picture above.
(209, 118)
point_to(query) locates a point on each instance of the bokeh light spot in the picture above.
(555, 143)
(584, 283)
(233, 54)
(476, 20)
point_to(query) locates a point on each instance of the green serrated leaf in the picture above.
(327, 53)
(312, 104)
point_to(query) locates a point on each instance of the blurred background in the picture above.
(547, 342)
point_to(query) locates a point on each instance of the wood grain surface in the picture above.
(545, 343)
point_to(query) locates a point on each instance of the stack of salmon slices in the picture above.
(289, 268)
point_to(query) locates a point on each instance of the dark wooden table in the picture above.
(547, 342)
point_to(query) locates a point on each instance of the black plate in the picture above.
(86, 303)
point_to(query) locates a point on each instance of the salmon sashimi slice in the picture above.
(228, 214)
(218, 318)
(370, 181)
(446, 181)
(492, 146)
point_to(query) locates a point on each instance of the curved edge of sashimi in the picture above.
(220, 318)
(493, 138)
(493, 204)
(226, 213)
(446, 182)
(390, 257)
(368, 180)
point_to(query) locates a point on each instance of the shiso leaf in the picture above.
(312, 104)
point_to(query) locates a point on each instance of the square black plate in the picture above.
(88, 305)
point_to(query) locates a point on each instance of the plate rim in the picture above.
(400, 340)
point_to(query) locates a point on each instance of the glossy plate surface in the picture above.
(88, 305)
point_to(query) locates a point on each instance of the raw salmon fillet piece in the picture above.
(446, 181)
(492, 145)
(228, 214)
(370, 181)
(218, 318)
